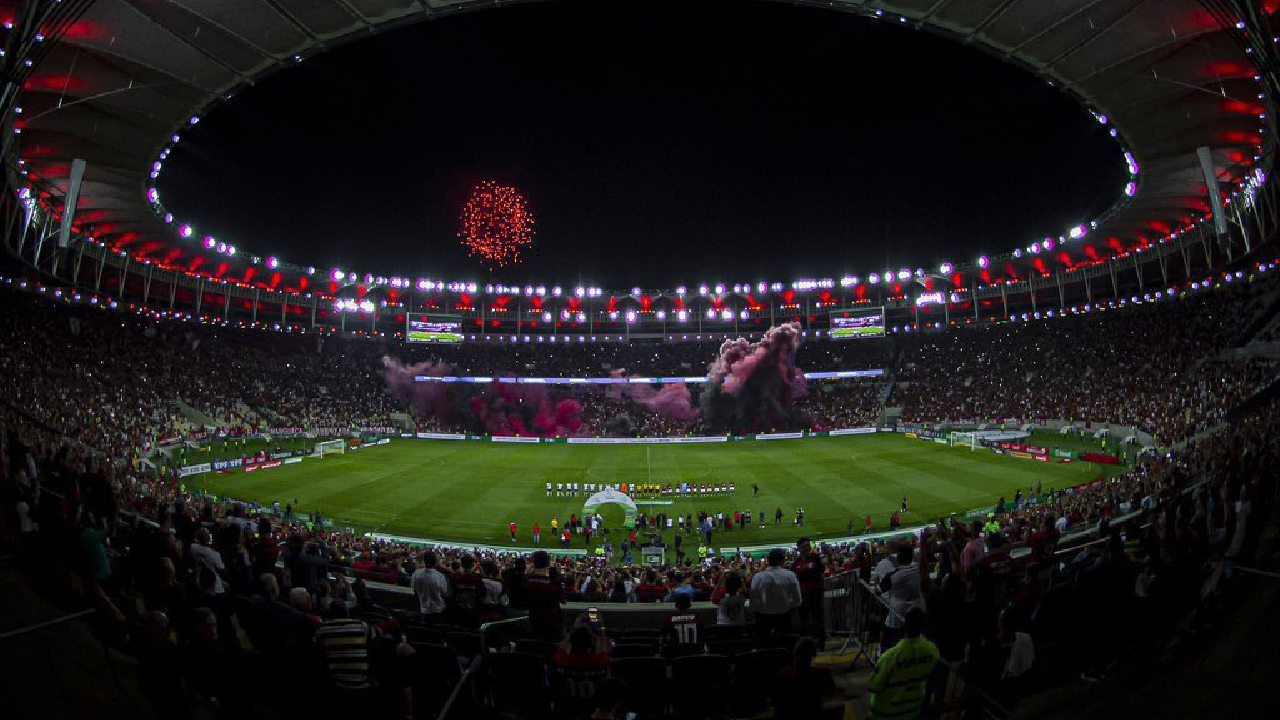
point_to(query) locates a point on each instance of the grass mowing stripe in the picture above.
(469, 491)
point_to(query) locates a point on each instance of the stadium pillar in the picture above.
(146, 284)
(173, 288)
(1164, 267)
(1115, 284)
(75, 268)
(973, 293)
(1088, 287)
(1208, 250)
(97, 281)
(1186, 257)
(315, 302)
(124, 275)
(1031, 290)
(1004, 297)
(1137, 269)
(226, 305)
(257, 293)
(199, 293)
(1062, 293)
(284, 306)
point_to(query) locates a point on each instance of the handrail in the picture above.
(45, 624)
(467, 676)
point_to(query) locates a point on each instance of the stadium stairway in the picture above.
(195, 417)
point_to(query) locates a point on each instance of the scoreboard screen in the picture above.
(857, 323)
(433, 329)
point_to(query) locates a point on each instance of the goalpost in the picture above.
(962, 439)
(328, 447)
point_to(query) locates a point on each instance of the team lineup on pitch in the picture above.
(472, 492)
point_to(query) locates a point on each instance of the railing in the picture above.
(950, 694)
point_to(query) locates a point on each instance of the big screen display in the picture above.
(433, 329)
(859, 323)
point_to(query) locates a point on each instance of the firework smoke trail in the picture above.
(496, 409)
(672, 401)
(427, 399)
(752, 386)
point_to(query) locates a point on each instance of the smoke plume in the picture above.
(752, 386)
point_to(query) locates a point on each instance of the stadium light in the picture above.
(726, 315)
(582, 317)
(1047, 244)
(661, 314)
(719, 289)
(874, 278)
(682, 315)
(613, 314)
(984, 262)
(904, 274)
(946, 268)
(1017, 252)
(546, 317)
(1077, 232)
(631, 316)
(681, 291)
(185, 231)
(336, 275)
(703, 290)
(635, 292)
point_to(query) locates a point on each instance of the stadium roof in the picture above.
(127, 75)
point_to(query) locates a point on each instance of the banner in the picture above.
(852, 431)
(1019, 447)
(262, 466)
(228, 464)
(645, 441)
(1100, 458)
(780, 436)
(440, 436)
(487, 379)
(515, 439)
(194, 469)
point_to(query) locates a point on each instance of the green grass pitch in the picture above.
(469, 492)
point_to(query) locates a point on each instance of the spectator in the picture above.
(544, 593)
(775, 592)
(431, 588)
(581, 662)
(897, 683)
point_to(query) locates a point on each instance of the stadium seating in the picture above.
(88, 397)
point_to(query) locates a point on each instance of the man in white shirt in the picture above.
(775, 592)
(885, 566)
(207, 559)
(431, 587)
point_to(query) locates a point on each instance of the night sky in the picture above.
(658, 143)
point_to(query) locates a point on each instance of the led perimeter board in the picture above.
(857, 323)
(420, 328)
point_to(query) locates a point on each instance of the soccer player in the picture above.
(755, 490)
(559, 489)
(537, 533)
(513, 531)
(904, 503)
(548, 489)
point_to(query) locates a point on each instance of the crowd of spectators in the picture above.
(1155, 366)
(178, 575)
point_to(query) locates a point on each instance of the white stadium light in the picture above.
(946, 268)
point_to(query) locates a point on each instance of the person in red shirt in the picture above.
(809, 571)
(543, 593)
(650, 590)
(681, 626)
(868, 526)
(513, 532)
(581, 662)
(566, 538)
(537, 534)
(466, 593)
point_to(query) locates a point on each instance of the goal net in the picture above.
(331, 446)
(965, 439)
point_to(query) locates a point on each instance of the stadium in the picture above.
(592, 360)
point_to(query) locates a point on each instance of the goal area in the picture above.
(965, 439)
(329, 447)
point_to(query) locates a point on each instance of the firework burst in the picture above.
(497, 224)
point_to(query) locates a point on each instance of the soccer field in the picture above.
(469, 492)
